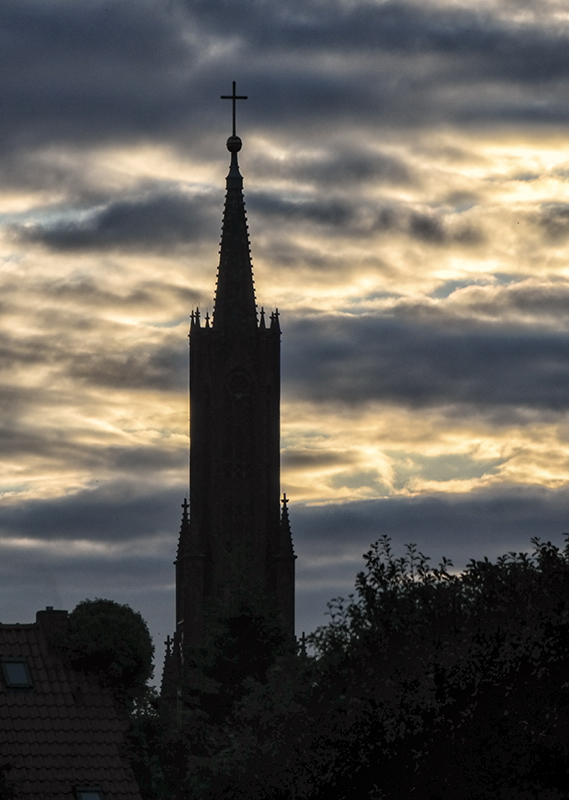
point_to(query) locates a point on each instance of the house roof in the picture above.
(64, 732)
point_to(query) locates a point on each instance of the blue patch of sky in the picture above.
(48, 217)
(527, 177)
(12, 258)
(14, 488)
(172, 323)
(360, 303)
(461, 201)
(445, 289)
(506, 278)
(448, 287)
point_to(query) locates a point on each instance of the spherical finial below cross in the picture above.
(234, 144)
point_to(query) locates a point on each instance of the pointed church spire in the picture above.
(169, 675)
(286, 548)
(183, 537)
(235, 544)
(234, 310)
(285, 520)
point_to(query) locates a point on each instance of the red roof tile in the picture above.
(63, 733)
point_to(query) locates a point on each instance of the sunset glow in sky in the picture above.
(406, 169)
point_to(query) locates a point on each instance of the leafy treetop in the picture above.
(111, 641)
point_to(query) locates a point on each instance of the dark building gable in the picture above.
(60, 732)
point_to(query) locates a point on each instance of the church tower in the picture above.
(235, 542)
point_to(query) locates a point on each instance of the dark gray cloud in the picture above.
(24, 440)
(554, 219)
(163, 221)
(115, 513)
(71, 295)
(392, 27)
(28, 351)
(429, 58)
(159, 366)
(152, 221)
(335, 212)
(356, 360)
(40, 446)
(313, 459)
(162, 368)
(103, 72)
(329, 541)
(529, 301)
(341, 165)
(89, 71)
(84, 291)
(537, 300)
(139, 519)
(487, 522)
(49, 445)
(344, 216)
(146, 460)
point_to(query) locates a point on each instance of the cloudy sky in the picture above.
(406, 172)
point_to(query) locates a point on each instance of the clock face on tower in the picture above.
(239, 384)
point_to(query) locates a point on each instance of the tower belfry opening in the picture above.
(235, 542)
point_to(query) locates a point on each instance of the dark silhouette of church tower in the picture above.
(235, 541)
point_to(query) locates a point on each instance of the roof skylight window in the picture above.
(16, 673)
(89, 793)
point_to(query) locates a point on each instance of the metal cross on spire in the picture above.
(233, 97)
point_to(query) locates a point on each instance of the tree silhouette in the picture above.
(424, 684)
(454, 685)
(111, 641)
